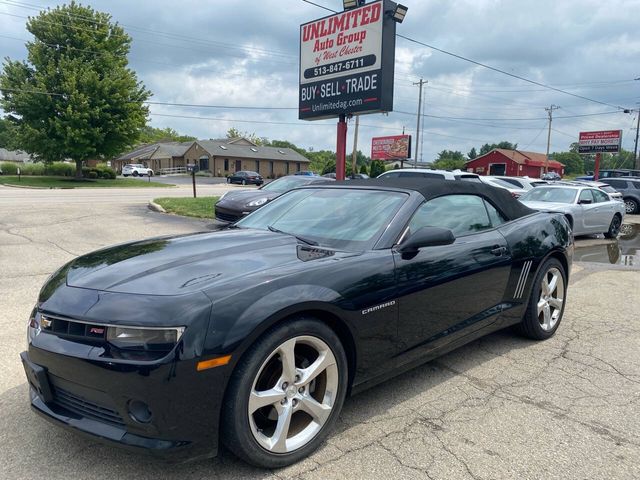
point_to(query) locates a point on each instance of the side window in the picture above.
(585, 195)
(462, 214)
(636, 185)
(494, 215)
(617, 183)
(600, 196)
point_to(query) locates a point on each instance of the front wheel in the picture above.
(135, 174)
(285, 394)
(630, 205)
(244, 182)
(546, 303)
(614, 227)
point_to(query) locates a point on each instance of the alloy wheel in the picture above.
(630, 206)
(293, 394)
(551, 299)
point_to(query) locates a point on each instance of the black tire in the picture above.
(236, 433)
(614, 227)
(631, 206)
(125, 175)
(135, 173)
(244, 182)
(228, 180)
(530, 326)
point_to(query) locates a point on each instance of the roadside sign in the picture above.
(347, 63)
(601, 141)
(396, 147)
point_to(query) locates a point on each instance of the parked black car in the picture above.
(629, 187)
(245, 178)
(232, 206)
(254, 335)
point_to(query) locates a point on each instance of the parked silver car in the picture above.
(589, 210)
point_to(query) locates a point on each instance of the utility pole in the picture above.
(550, 113)
(420, 84)
(635, 148)
(354, 155)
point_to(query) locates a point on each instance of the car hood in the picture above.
(241, 198)
(183, 264)
(548, 206)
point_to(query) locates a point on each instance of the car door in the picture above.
(591, 221)
(605, 208)
(445, 292)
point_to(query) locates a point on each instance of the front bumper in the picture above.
(94, 398)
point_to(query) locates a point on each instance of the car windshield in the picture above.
(501, 183)
(285, 184)
(549, 194)
(344, 219)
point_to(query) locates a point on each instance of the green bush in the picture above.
(60, 169)
(377, 167)
(92, 175)
(9, 168)
(32, 169)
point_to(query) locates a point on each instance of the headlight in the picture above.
(258, 202)
(134, 338)
(33, 326)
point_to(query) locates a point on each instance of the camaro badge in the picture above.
(378, 307)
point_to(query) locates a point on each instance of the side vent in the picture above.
(522, 281)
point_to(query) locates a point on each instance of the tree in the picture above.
(486, 148)
(233, 132)
(377, 167)
(149, 134)
(449, 160)
(472, 153)
(74, 97)
(363, 169)
(9, 134)
(573, 163)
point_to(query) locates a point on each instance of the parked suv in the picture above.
(612, 173)
(430, 173)
(136, 170)
(629, 187)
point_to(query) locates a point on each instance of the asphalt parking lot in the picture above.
(501, 407)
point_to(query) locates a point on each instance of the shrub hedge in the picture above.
(57, 169)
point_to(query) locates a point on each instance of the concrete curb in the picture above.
(26, 186)
(155, 207)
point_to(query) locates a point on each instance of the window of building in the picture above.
(226, 164)
(270, 168)
(222, 147)
(297, 166)
(258, 166)
(462, 214)
(287, 167)
(254, 149)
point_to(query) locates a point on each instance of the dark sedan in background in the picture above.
(232, 206)
(254, 335)
(245, 178)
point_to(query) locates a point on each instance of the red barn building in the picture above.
(513, 163)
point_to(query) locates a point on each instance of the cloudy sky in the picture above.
(245, 53)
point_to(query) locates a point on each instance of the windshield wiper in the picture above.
(302, 239)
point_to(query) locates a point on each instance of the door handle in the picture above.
(498, 250)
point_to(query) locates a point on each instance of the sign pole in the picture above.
(193, 180)
(341, 147)
(596, 170)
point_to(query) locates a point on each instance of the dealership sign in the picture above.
(602, 141)
(397, 147)
(346, 63)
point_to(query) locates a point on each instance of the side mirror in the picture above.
(426, 237)
(584, 201)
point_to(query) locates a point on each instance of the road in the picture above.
(501, 407)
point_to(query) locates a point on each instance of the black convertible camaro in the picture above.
(253, 336)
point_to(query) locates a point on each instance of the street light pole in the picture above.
(550, 112)
(420, 84)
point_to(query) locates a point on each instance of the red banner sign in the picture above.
(395, 147)
(600, 141)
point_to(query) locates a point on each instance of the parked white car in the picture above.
(136, 170)
(525, 183)
(499, 183)
(589, 210)
(430, 173)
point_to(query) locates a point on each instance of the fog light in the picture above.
(139, 411)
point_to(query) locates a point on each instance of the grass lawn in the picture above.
(67, 182)
(201, 207)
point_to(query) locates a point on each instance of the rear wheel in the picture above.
(285, 394)
(614, 227)
(630, 205)
(228, 180)
(546, 303)
(135, 173)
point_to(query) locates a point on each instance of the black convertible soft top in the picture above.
(433, 187)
